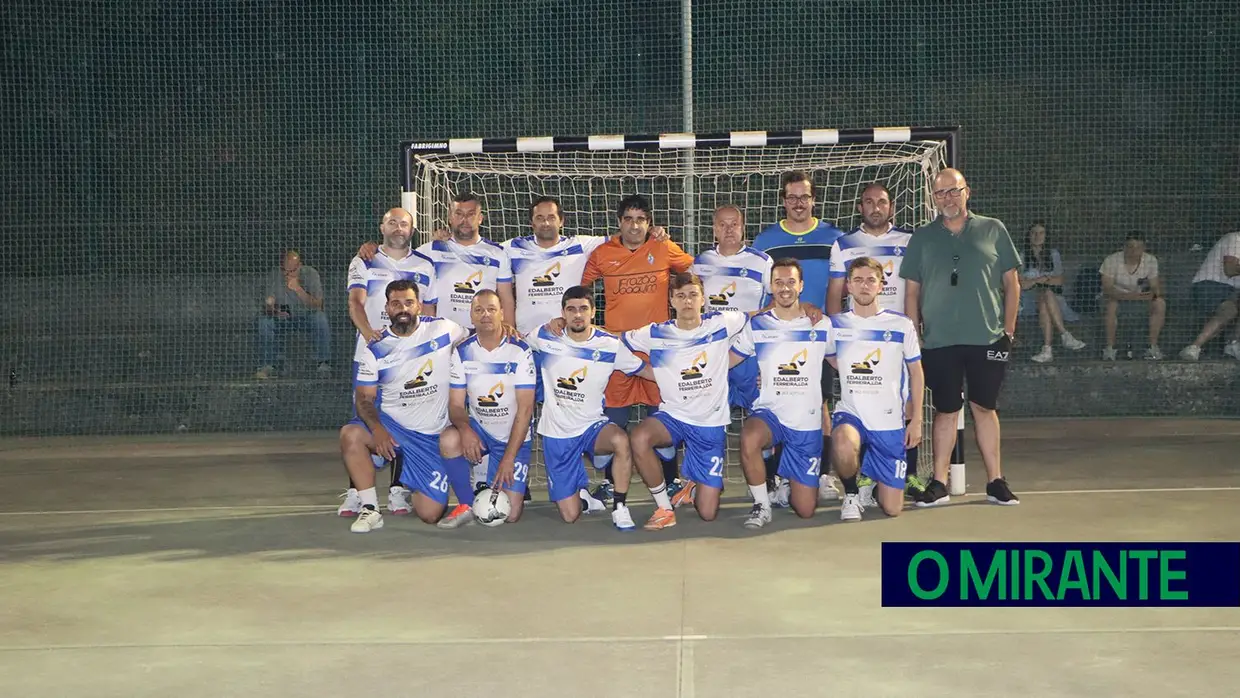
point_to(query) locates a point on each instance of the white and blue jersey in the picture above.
(691, 369)
(574, 377)
(871, 354)
(888, 249)
(412, 379)
(789, 355)
(812, 249)
(541, 275)
(375, 275)
(463, 270)
(491, 380)
(737, 282)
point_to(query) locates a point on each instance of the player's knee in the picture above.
(450, 443)
(980, 410)
(570, 516)
(708, 513)
(353, 436)
(640, 439)
(1159, 306)
(805, 510)
(429, 514)
(891, 510)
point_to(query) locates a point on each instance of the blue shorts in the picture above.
(379, 461)
(562, 458)
(882, 452)
(801, 457)
(743, 383)
(538, 389)
(422, 468)
(494, 449)
(705, 449)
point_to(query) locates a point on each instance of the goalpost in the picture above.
(685, 176)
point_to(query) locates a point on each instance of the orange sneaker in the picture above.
(684, 496)
(458, 517)
(661, 519)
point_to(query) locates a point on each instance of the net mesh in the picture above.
(157, 158)
(685, 187)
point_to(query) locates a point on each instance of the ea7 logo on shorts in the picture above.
(995, 355)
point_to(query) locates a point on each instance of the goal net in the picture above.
(685, 176)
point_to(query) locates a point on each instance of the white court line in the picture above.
(426, 642)
(324, 507)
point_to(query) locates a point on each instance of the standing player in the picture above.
(494, 374)
(635, 266)
(790, 349)
(735, 276)
(575, 368)
(468, 263)
(369, 276)
(871, 347)
(877, 238)
(405, 366)
(807, 239)
(690, 357)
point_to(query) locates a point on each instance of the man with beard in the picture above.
(369, 276)
(575, 369)
(872, 347)
(468, 263)
(962, 289)
(408, 366)
(491, 405)
(877, 238)
(789, 349)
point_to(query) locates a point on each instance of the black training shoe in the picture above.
(479, 487)
(934, 495)
(998, 492)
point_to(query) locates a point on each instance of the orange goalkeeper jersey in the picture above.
(635, 284)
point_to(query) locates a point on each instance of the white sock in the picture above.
(369, 497)
(661, 499)
(760, 495)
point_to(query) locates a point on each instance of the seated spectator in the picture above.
(1214, 293)
(293, 301)
(1130, 284)
(1041, 286)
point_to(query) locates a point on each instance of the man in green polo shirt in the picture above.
(963, 291)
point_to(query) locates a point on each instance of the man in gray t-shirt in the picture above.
(292, 302)
(963, 291)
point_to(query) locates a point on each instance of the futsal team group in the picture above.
(460, 338)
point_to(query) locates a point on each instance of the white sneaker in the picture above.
(590, 505)
(398, 501)
(759, 516)
(866, 496)
(1072, 342)
(622, 519)
(781, 493)
(1153, 354)
(1191, 352)
(829, 488)
(352, 505)
(1043, 356)
(459, 516)
(1232, 349)
(1109, 354)
(851, 509)
(367, 521)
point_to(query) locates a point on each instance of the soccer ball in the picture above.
(491, 507)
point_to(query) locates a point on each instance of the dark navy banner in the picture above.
(1061, 574)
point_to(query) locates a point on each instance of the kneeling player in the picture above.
(790, 349)
(575, 368)
(494, 375)
(412, 419)
(869, 348)
(690, 356)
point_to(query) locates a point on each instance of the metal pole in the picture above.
(686, 106)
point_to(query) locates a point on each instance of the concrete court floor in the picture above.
(213, 566)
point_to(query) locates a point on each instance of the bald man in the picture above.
(962, 289)
(368, 280)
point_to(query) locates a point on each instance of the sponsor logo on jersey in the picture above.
(548, 277)
(724, 295)
(695, 369)
(419, 381)
(573, 380)
(644, 283)
(866, 366)
(470, 284)
(493, 396)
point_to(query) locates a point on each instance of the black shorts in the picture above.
(828, 382)
(948, 369)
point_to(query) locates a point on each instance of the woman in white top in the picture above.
(1041, 283)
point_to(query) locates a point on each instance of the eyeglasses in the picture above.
(953, 193)
(955, 273)
(802, 199)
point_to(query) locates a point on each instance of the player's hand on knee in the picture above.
(503, 475)
(471, 446)
(383, 443)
